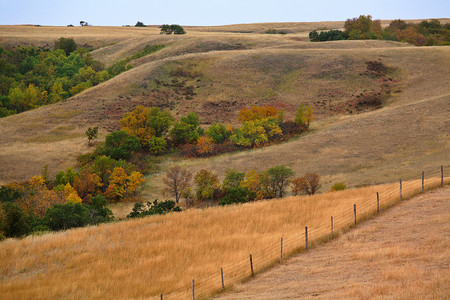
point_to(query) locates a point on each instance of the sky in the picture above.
(211, 12)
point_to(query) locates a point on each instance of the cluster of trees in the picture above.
(156, 131)
(426, 33)
(237, 187)
(31, 77)
(72, 199)
(174, 28)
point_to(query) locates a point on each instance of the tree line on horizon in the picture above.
(425, 33)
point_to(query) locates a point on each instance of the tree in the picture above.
(66, 44)
(83, 23)
(177, 181)
(91, 134)
(304, 115)
(257, 113)
(205, 145)
(157, 145)
(207, 183)
(186, 130)
(65, 216)
(233, 179)
(237, 195)
(15, 222)
(139, 24)
(218, 133)
(155, 208)
(308, 184)
(253, 181)
(174, 28)
(120, 145)
(87, 185)
(256, 132)
(160, 120)
(136, 123)
(276, 180)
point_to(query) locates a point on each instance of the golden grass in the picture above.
(162, 254)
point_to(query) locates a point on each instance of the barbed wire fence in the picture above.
(274, 253)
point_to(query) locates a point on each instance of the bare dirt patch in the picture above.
(403, 254)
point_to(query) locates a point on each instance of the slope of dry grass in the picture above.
(403, 254)
(161, 254)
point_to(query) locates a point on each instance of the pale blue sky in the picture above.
(211, 12)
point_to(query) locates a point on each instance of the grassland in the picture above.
(240, 69)
(377, 260)
(146, 257)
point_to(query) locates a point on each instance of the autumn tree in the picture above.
(253, 181)
(121, 184)
(275, 181)
(304, 115)
(205, 145)
(362, 28)
(256, 132)
(207, 183)
(87, 185)
(308, 184)
(136, 123)
(177, 181)
(257, 113)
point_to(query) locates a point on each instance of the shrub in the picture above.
(153, 208)
(119, 145)
(15, 221)
(218, 133)
(91, 134)
(65, 216)
(206, 183)
(66, 44)
(308, 184)
(233, 179)
(157, 145)
(174, 28)
(139, 24)
(205, 146)
(237, 195)
(339, 186)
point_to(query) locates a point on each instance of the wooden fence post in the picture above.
(378, 203)
(221, 275)
(331, 227)
(251, 264)
(281, 252)
(423, 181)
(193, 292)
(401, 198)
(306, 238)
(354, 212)
(161, 297)
(442, 175)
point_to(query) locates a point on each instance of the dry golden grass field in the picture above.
(230, 67)
(139, 259)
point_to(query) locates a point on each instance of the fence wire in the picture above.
(263, 258)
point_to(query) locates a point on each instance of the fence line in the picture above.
(286, 246)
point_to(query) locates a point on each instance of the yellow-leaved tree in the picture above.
(137, 123)
(71, 195)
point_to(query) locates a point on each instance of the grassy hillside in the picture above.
(225, 71)
(162, 254)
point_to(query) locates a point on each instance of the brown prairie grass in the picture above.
(162, 254)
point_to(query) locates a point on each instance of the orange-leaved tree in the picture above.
(257, 113)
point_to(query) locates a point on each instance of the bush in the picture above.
(139, 24)
(218, 133)
(65, 216)
(15, 221)
(174, 28)
(141, 210)
(237, 195)
(119, 145)
(308, 184)
(157, 145)
(332, 35)
(339, 186)
(68, 45)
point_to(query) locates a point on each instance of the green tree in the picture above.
(139, 24)
(186, 130)
(120, 145)
(66, 216)
(218, 133)
(66, 44)
(157, 145)
(91, 134)
(15, 220)
(160, 120)
(276, 180)
(237, 195)
(233, 179)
